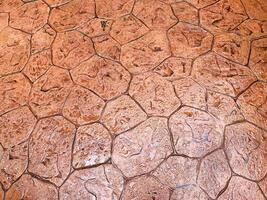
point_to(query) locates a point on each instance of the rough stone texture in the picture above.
(1, 193)
(92, 146)
(188, 40)
(154, 93)
(106, 78)
(263, 186)
(201, 3)
(195, 132)
(246, 149)
(55, 3)
(122, 114)
(3, 20)
(50, 149)
(142, 148)
(187, 192)
(8, 5)
(256, 9)
(103, 182)
(185, 12)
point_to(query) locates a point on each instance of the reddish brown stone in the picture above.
(122, 114)
(103, 182)
(3, 20)
(1, 193)
(92, 146)
(55, 3)
(263, 186)
(106, 78)
(201, 3)
(256, 9)
(185, 12)
(188, 40)
(187, 192)
(142, 148)
(154, 93)
(9, 5)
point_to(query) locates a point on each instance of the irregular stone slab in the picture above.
(15, 50)
(145, 187)
(122, 114)
(55, 3)
(14, 92)
(187, 192)
(214, 173)
(71, 48)
(221, 75)
(4, 17)
(201, 3)
(240, 188)
(155, 14)
(185, 12)
(127, 28)
(256, 9)
(36, 17)
(155, 94)
(50, 92)
(246, 149)
(92, 146)
(28, 187)
(8, 5)
(263, 186)
(142, 148)
(72, 14)
(103, 182)
(188, 40)
(177, 172)
(106, 78)
(195, 132)
(145, 53)
(50, 149)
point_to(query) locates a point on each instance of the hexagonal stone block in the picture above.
(142, 148)
(192, 192)
(185, 12)
(256, 9)
(92, 146)
(188, 40)
(105, 77)
(201, 3)
(103, 182)
(195, 133)
(246, 149)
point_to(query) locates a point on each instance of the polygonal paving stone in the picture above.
(240, 188)
(177, 172)
(122, 114)
(142, 148)
(8, 5)
(71, 48)
(253, 104)
(188, 40)
(145, 53)
(127, 28)
(214, 173)
(221, 75)
(29, 17)
(187, 192)
(50, 149)
(154, 93)
(222, 16)
(155, 14)
(82, 106)
(14, 92)
(201, 3)
(263, 186)
(232, 46)
(145, 187)
(105, 77)
(72, 14)
(92, 146)
(4, 17)
(15, 50)
(246, 149)
(195, 132)
(55, 3)
(28, 187)
(256, 9)
(50, 92)
(103, 182)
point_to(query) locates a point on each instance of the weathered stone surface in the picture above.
(256, 9)
(145, 53)
(187, 192)
(195, 132)
(221, 75)
(246, 149)
(145, 187)
(1, 193)
(142, 148)
(55, 3)
(71, 48)
(50, 149)
(28, 187)
(122, 114)
(92, 146)
(201, 3)
(15, 50)
(3, 20)
(103, 182)
(36, 17)
(240, 188)
(188, 40)
(106, 78)
(263, 186)
(8, 5)
(72, 14)
(154, 93)
(14, 92)
(185, 12)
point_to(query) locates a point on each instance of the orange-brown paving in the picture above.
(133, 99)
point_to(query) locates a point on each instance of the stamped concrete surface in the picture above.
(133, 99)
